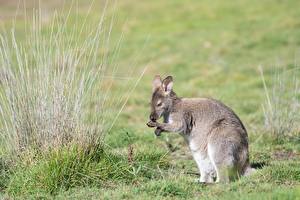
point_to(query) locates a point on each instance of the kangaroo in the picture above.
(215, 135)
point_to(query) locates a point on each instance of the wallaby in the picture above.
(215, 135)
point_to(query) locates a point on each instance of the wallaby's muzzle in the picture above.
(153, 117)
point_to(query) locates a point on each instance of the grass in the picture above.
(49, 80)
(212, 49)
(281, 105)
(66, 169)
(45, 84)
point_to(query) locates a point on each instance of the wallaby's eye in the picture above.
(159, 104)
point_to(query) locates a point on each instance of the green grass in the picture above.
(212, 49)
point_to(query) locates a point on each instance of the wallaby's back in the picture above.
(206, 112)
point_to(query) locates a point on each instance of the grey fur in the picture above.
(216, 136)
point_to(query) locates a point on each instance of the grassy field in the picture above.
(211, 48)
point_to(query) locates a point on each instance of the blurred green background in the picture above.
(212, 49)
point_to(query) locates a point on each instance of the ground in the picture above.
(211, 48)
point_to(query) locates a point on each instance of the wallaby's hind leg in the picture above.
(222, 157)
(228, 152)
(223, 164)
(205, 166)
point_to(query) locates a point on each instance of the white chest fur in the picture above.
(170, 120)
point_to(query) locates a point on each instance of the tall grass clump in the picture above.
(57, 80)
(282, 103)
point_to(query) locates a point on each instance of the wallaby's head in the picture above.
(161, 101)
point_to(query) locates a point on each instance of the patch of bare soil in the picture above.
(285, 155)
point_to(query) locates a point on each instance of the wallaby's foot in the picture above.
(197, 180)
(206, 179)
(201, 183)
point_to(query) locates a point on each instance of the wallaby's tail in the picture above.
(248, 171)
(251, 168)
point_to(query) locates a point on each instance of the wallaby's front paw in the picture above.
(157, 131)
(151, 124)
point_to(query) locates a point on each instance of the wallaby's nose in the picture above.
(152, 117)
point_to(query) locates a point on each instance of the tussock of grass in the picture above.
(282, 104)
(68, 168)
(43, 93)
(51, 81)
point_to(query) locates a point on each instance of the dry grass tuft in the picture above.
(282, 104)
(48, 94)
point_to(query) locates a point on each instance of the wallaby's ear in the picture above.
(168, 84)
(156, 83)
